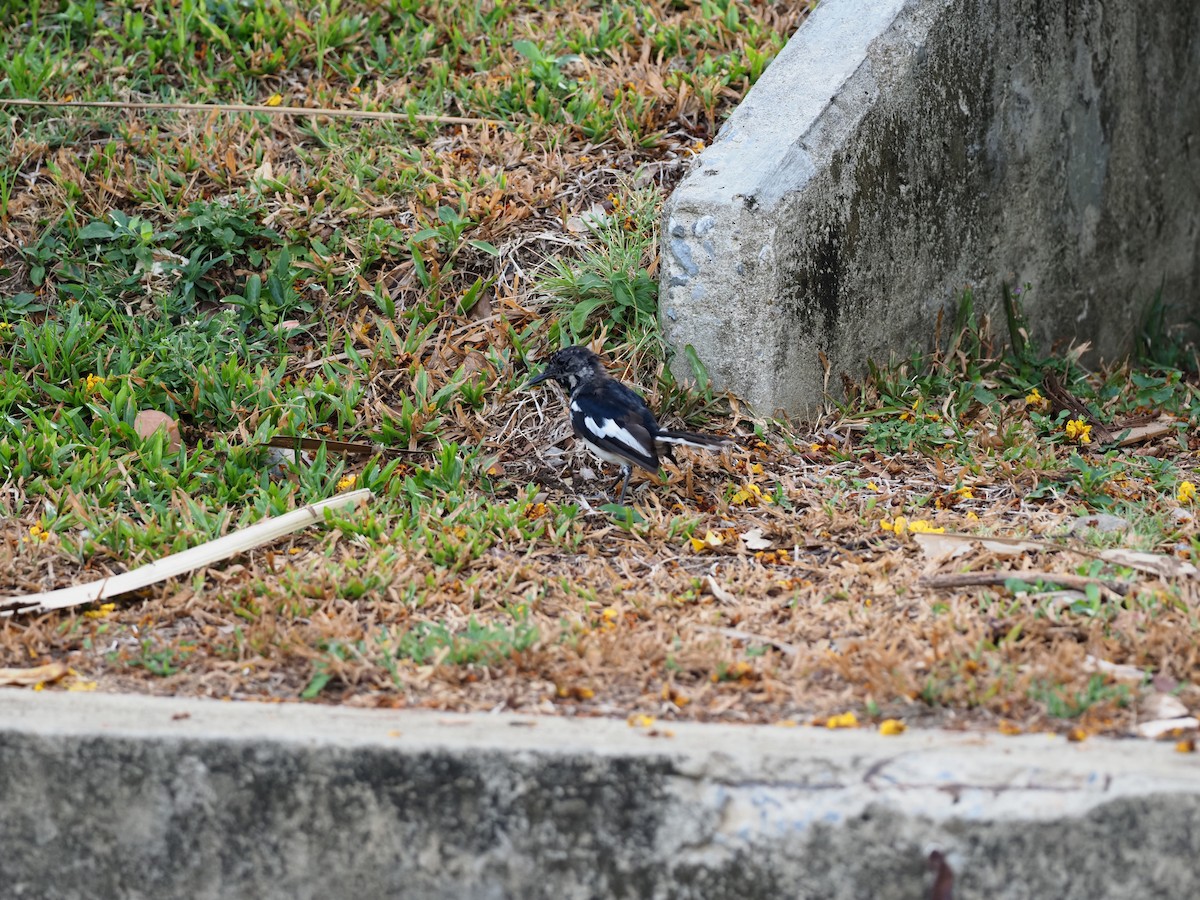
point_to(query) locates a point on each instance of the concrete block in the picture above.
(898, 150)
(131, 797)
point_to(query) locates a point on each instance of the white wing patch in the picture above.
(605, 455)
(611, 429)
(700, 442)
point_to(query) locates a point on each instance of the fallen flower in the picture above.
(710, 540)
(1078, 431)
(1186, 493)
(891, 727)
(924, 526)
(749, 494)
(844, 720)
(900, 525)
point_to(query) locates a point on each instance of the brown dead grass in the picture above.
(831, 617)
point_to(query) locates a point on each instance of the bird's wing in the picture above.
(614, 425)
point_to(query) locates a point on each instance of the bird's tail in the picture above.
(691, 439)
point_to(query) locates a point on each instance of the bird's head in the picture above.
(570, 367)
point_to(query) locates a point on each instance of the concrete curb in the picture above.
(126, 796)
(898, 150)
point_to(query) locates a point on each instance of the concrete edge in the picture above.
(899, 152)
(723, 250)
(961, 774)
(202, 798)
(781, 122)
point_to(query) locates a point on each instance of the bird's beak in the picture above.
(537, 379)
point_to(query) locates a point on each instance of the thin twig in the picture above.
(256, 108)
(347, 448)
(1075, 582)
(185, 561)
(738, 635)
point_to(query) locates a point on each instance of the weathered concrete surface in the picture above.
(897, 150)
(118, 796)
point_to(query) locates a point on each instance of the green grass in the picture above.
(1063, 703)
(975, 402)
(257, 277)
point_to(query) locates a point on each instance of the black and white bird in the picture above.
(612, 419)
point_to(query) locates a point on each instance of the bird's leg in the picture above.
(626, 471)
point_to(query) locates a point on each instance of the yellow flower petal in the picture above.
(924, 526)
(844, 720)
(890, 727)
(1078, 431)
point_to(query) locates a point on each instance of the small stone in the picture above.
(683, 253)
(1105, 523)
(148, 421)
(1163, 706)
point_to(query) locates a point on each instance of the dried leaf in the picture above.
(1164, 706)
(35, 675)
(1158, 727)
(148, 421)
(943, 877)
(1116, 670)
(942, 547)
(754, 539)
(954, 544)
(1154, 563)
